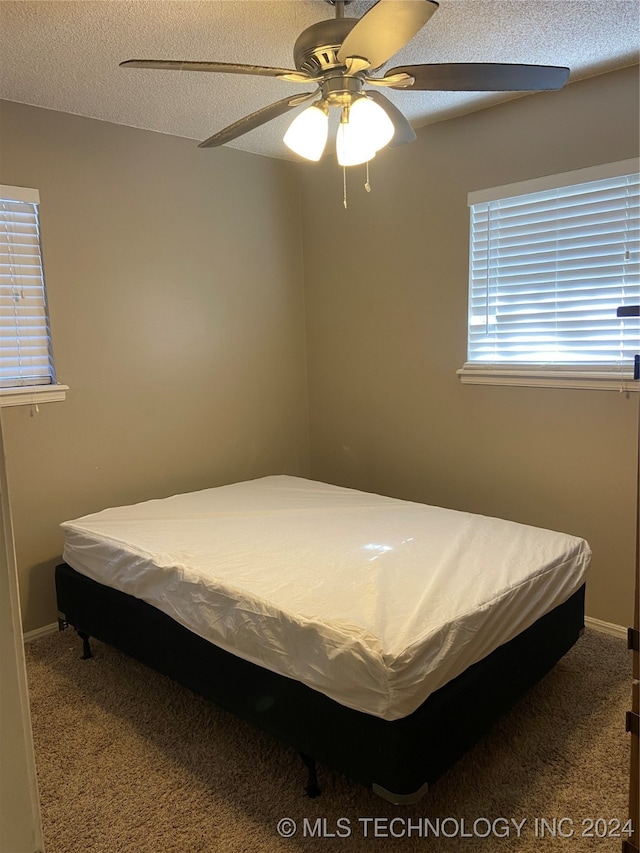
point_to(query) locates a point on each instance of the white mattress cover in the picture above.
(373, 601)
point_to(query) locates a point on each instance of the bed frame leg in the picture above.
(312, 789)
(86, 646)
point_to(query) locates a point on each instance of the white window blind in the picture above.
(25, 340)
(548, 270)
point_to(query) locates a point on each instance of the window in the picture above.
(26, 362)
(551, 261)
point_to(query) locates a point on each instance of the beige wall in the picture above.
(20, 820)
(386, 292)
(174, 278)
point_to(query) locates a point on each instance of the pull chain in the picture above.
(367, 184)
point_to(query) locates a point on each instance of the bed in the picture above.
(377, 636)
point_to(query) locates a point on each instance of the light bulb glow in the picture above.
(366, 130)
(307, 133)
(372, 122)
(352, 148)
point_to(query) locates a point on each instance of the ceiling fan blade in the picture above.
(403, 131)
(384, 29)
(218, 67)
(250, 122)
(483, 77)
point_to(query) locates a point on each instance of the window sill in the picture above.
(32, 395)
(537, 376)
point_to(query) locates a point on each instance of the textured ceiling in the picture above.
(64, 55)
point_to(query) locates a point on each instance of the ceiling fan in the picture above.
(343, 55)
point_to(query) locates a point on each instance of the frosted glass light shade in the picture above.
(352, 147)
(307, 133)
(367, 130)
(372, 122)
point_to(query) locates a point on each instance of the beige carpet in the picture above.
(128, 762)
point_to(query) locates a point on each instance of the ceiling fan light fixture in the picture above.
(341, 55)
(307, 133)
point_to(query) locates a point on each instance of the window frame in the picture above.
(559, 375)
(31, 395)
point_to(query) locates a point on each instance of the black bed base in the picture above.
(398, 759)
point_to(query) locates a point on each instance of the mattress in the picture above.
(375, 602)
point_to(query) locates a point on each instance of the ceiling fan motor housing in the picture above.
(316, 48)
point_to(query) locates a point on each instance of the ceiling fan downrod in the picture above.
(339, 4)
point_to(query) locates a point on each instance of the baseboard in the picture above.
(606, 627)
(40, 632)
